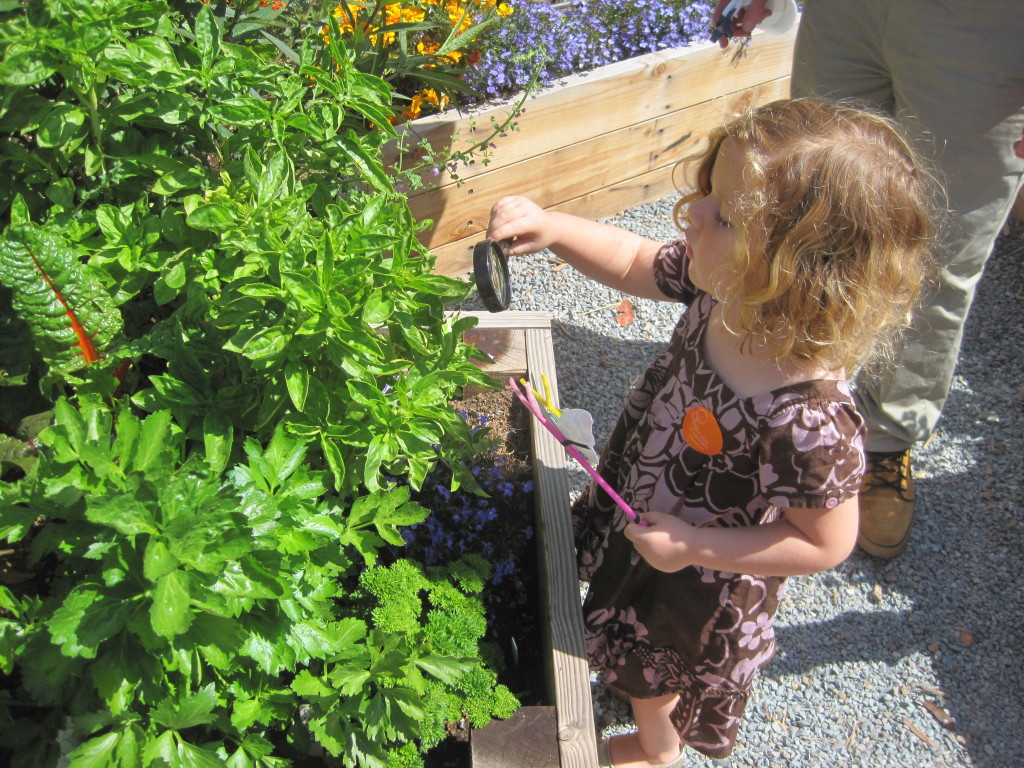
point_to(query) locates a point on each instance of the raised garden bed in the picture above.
(595, 144)
(520, 343)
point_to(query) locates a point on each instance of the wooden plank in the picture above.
(569, 673)
(506, 348)
(593, 103)
(511, 319)
(609, 162)
(456, 258)
(525, 740)
(557, 176)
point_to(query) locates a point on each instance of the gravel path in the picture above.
(872, 654)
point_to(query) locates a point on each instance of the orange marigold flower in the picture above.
(426, 47)
(415, 109)
(432, 97)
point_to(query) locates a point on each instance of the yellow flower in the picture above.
(414, 109)
(504, 9)
(427, 47)
(439, 101)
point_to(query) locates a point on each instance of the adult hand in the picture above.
(744, 21)
(663, 541)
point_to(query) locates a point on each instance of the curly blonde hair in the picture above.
(834, 230)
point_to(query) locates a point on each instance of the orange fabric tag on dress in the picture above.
(701, 431)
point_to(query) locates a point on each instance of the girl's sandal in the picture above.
(604, 755)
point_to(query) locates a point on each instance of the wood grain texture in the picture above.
(595, 144)
(616, 171)
(568, 674)
(525, 740)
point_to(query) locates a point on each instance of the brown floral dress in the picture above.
(687, 445)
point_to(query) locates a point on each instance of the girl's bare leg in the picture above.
(655, 743)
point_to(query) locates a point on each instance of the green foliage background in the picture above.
(221, 345)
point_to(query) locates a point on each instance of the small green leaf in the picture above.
(368, 166)
(191, 756)
(447, 669)
(153, 440)
(207, 37)
(335, 460)
(277, 178)
(95, 753)
(175, 181)
(24, 69)
(296, 376)
(308, 294)
(87, 618)
(64, 124)
(349, 680)
(305, 684)
(127, 515)
(266, 342)
(239, 111)
(9, 602)
(158, 560)
(161, 748)
(171, 612)
(214, 217)
(218, 439)
(194, 709)
(377, 308)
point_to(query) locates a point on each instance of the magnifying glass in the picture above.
(490, 270)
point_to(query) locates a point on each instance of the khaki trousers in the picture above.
(952, 71)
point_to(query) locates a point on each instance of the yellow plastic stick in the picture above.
(544, 399)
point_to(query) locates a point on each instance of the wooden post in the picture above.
(568, 673)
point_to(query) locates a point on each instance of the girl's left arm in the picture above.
(801, 541)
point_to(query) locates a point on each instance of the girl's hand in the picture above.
(664, 542)
(526, 224)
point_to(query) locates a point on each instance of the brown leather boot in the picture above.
(886, 504)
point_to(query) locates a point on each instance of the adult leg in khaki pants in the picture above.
(953, 73)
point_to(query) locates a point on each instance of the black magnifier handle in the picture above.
(490, 270)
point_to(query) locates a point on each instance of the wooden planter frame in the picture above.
(594, 144)
(520, 343)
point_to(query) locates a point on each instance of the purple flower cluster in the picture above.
(588, 34)
(467, 523)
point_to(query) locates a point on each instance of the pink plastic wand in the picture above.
(533, 407)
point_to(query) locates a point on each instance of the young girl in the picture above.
(741, 449)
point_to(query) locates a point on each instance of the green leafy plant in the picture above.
(225, 344)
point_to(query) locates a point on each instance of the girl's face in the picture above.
(711, 232)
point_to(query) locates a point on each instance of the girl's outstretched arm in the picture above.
(802, 541)
(610, 255)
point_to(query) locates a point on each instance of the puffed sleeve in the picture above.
(811, 454)
(670, 272)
